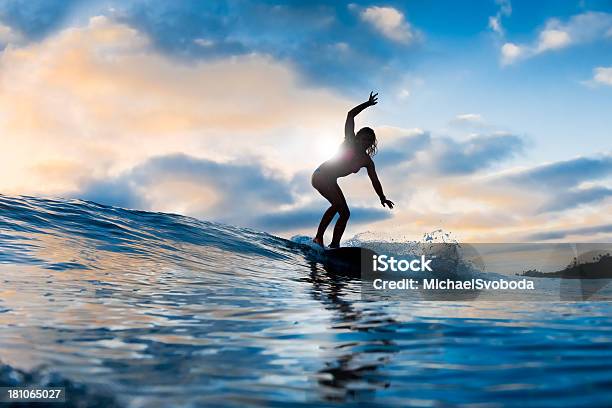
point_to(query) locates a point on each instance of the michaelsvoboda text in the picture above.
(450, 284)
(384, 263)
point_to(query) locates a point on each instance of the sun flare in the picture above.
(327, 147)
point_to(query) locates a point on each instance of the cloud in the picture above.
(403, 147)
(493, 207)
(309, 217)
(564, 233)
(577, 197)
(390, 22)
(36, 18)
(495, 22)
(446, 156)
(307, 35)
(9, 35)
(232, 192)
(495, 25)
(552, 40)
(578, 29)
(476, 153)
(564, 174)
(511, 52)
(312, 36)
(603, 75)
(468, 119)
(505, 7)
(404, 93)
(235, 193)
(187, 29)
(204, 42)
(95, 101)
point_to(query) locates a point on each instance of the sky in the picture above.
(493, 115)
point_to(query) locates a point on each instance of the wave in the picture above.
(30, 224)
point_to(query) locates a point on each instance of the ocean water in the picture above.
(139, 309)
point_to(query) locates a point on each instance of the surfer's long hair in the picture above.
(367, 138)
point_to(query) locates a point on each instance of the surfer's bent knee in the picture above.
(344, 211)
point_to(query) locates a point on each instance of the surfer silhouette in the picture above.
(355, 152)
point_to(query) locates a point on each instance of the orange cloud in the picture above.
(102, 99)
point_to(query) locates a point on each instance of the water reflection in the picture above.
(354, 373)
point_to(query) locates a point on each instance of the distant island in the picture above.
(600, 267)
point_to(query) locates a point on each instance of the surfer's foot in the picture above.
(332, 245)
(318, 241)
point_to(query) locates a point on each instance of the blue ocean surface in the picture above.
(140, 309)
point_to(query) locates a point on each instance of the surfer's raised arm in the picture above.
(377, 186)
(349, 126)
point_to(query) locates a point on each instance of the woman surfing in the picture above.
(355, 152)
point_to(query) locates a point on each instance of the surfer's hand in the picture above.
(373, 99)
(389, 203)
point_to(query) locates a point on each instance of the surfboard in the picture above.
(349, 260)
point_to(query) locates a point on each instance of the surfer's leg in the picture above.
(344, 212)
(329, 189)
(327, 218)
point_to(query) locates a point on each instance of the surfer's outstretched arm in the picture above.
(349, 126)
(377, 186)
